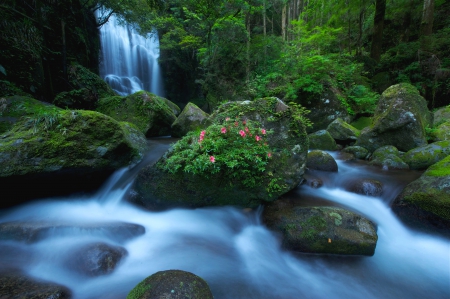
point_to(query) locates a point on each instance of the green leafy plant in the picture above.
(43, 119)
(236, 150)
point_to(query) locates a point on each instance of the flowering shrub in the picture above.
(236, 150)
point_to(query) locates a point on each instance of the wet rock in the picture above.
(329, 230)
(148, 112)
(320, 160)
(368, 187)
(171, 284)
(14, 284)
(322, 140)
(424, 156)
(190, 119)
(425, 202)
(441, 116)
(34, 231)
(388, 157)
(96, 259)
(358, 151)
(159, 187)
(340, 130)
(399, 120)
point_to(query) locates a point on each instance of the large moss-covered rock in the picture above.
(358, 151)
(191, 118)
(441, 116)
(340, 130)
(424, 156)
(15, 284)
(322, 140)
(388, 157)
(320, 160)
(425, 202)
(87, 88)
(147, 111)
(171, 284)
(399, 120)
(329, 230)
(234, 180)
(442, 132)
(57, 149)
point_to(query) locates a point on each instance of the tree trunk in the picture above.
(426, 26)
(283, 22)
(378, 26)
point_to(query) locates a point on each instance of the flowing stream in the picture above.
(232, 250)
(129, 61)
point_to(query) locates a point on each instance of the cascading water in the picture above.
(129, 61)
(236, 254)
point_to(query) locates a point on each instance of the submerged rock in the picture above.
(320, 160)
(425, 202)
(191, 118)
(96, 259)
(400, 120)
(150, 113)
(234, 165)
(55, 151)
(368, 187)
(328, 230)
(171, 284)
(14, 284)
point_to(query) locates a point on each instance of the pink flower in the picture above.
(258, 138)
(223, 130)
(227, 119)
(269, 155)
(212, 159)
(244, 122)
(202, 133)
(242, 133)
(246, 129)
(263, 131)
(236, 124)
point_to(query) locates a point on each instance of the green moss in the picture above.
(435, 202)
(440, 169)
(312, 227)
(337, 218)
(139, 290)
(362, 122)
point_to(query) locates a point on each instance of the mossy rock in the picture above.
(191, 118)
(149, 112)
(364, 186)
(171, 284)
(358, 151)
(13, 108)
(388, 157)
(320, 160)
(424, 156)
(361, 122)
(425, 202)
(87, 89)
(441, 116)
(399, 120)
(157, 188)
(324, 230)
(442, 132)
(322, 140)
(67, 145)
(340, 130)
(15, 284)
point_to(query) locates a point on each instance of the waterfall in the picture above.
(129, 61)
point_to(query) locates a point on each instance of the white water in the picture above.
(236, 254)
(129, 61)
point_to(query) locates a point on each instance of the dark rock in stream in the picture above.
(325, 230)
(368, 187)
(15, 285)
(320, 160)
(34, 231)
(96, 259)
(171, 284)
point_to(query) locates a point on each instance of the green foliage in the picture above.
(235, 150)
(43, 119)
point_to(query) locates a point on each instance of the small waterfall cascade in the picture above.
(129, 61)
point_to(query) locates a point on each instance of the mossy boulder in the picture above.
(87, 89)
(322, 140)
(442, 132)
(400, 120)
(147, 111)
(15, 284)
(171, 284)
(329, 230)
(12, 108)
(95, 259)
(191, 118)
(357, 151)
(320, 160)
(425, 202)
(74, 148)
(441, 116)
(364, 186)
(235, 180)
(388, 157)
(424, 156)
(340, 130)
